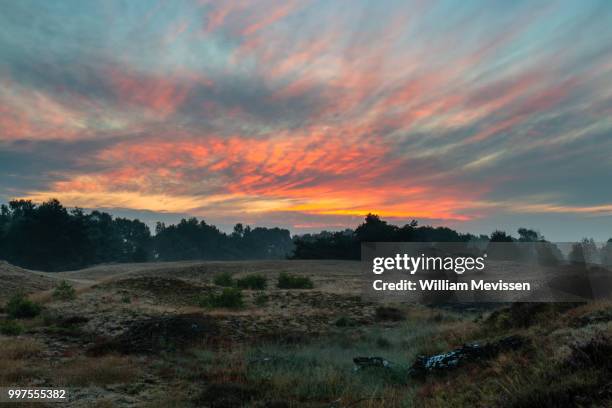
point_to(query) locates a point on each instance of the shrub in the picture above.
(10, 328)
(345, 321)
(229, 298)
(286, 281)
(64, 291)
(389, 314)
(261, 300)
(20, 307)
(384, 343)
(257, 282)
(224, 279)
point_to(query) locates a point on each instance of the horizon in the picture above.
(307, 115)
(173, 219)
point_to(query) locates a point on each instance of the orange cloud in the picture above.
(308, 172)
(162, 95)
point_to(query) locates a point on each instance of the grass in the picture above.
(321, 371)
(286, 281)
(254, 281)
(10, 328)
(17, 372)
(224, 279)
(17, 358)
(345, 321)
(261, 300)
(64, 291)
(230, 298)
(11, 349)
(105, 370)
(19, 307)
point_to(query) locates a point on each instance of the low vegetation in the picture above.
(302, 348)
(104, 370)
(230, 298)
(254, 281)
(19, 307)
(286, 281)
(64, 291)
(261, 300)
(224, 279)
(10, 328)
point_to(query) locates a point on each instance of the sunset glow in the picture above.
(310, 113)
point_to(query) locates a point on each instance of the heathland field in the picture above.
(288, 334)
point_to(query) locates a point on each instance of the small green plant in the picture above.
(64, 291)
(383, 343)
(19, 307)
(255, 281)
(126, 299)
(224, 279)
(345, 321)
(286, 281)
(261, 300)
(10, 328)
(230, 298)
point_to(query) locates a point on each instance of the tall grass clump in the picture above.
(255, 281)
(64, 291)
(230, 298)
(10, 328)
(286, 281)
(224, 279)
(19, 307)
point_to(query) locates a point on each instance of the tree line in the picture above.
(51, 237)
(347, 244)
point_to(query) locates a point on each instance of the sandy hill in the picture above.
(14, 279)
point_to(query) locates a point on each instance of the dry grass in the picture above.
(103, 403)
(19, 348)
(16, 372)
(176, 398)
(97, 371)
(14, 369)
(43, 297)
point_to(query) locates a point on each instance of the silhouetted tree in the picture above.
(606, 253)
(529, 235)
(500, 236)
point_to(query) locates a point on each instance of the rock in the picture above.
(467, 353)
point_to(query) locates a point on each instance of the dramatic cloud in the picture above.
(310, 114)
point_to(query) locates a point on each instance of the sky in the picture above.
(309, 114)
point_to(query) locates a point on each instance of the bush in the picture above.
(390, 314)
(257, 282)
(230, 298)
(64, 291)
(345, 321)
(261, 300)
(224, 279)
(286, 281)
(10, 328)
(20, 307)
